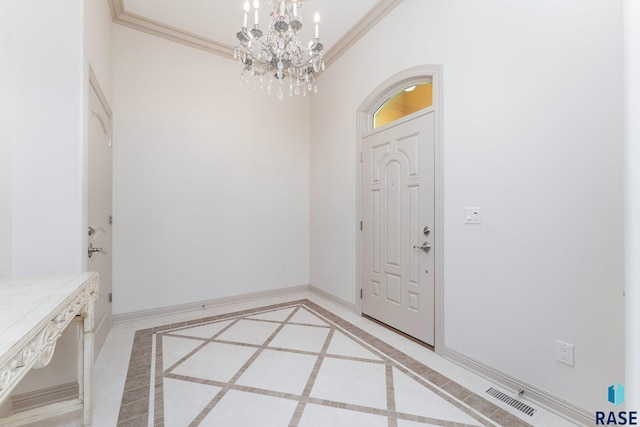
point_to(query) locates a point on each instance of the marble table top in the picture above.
(29, 303)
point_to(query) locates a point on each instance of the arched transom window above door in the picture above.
(407, 101)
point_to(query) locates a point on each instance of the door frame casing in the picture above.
(364, 124)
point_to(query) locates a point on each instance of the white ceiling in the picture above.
(213, 24)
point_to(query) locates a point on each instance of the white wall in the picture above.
(42, 104)
(632, 199)
(47, 151)
(47, 192)
(6, 135)
(211, 180)
(532, 133)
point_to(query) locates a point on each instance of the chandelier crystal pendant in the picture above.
(279, 56)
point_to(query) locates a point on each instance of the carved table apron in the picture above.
(33, 313)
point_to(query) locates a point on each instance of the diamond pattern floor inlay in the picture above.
(291, 364)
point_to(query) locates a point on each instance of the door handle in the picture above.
(425, 246)
(91, 250)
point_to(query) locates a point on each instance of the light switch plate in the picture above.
(473, 215)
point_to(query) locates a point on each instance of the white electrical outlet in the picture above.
(564, 353)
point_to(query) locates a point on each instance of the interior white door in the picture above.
(398, 214)
(99, 176)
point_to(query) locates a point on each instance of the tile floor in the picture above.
(305, 361)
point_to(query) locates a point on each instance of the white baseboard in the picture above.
(45, 396)
(326, 295)
(194, 306)
(45, 416)
(103, 326)
(532, 393)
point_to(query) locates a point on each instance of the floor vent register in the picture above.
(514, 403)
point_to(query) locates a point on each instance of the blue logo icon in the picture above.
(616, 394)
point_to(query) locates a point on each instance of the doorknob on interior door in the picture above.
(425, 246)
(91, 250)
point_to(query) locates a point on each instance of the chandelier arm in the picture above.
(256, 59)
(303, 65)
(261, 73)
(297, 65)
(262, 43)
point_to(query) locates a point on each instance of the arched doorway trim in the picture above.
(364, 125)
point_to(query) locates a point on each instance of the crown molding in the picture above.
(117, 8)
(138, 22)
(362, 27)
(141, 23)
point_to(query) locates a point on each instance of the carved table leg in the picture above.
(87, 375)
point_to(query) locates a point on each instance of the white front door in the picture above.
(99, 173)
(398, 214)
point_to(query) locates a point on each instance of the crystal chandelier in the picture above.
(279, 56)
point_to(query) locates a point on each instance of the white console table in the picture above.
(33, 313)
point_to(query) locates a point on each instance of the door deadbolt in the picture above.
(426, 230)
